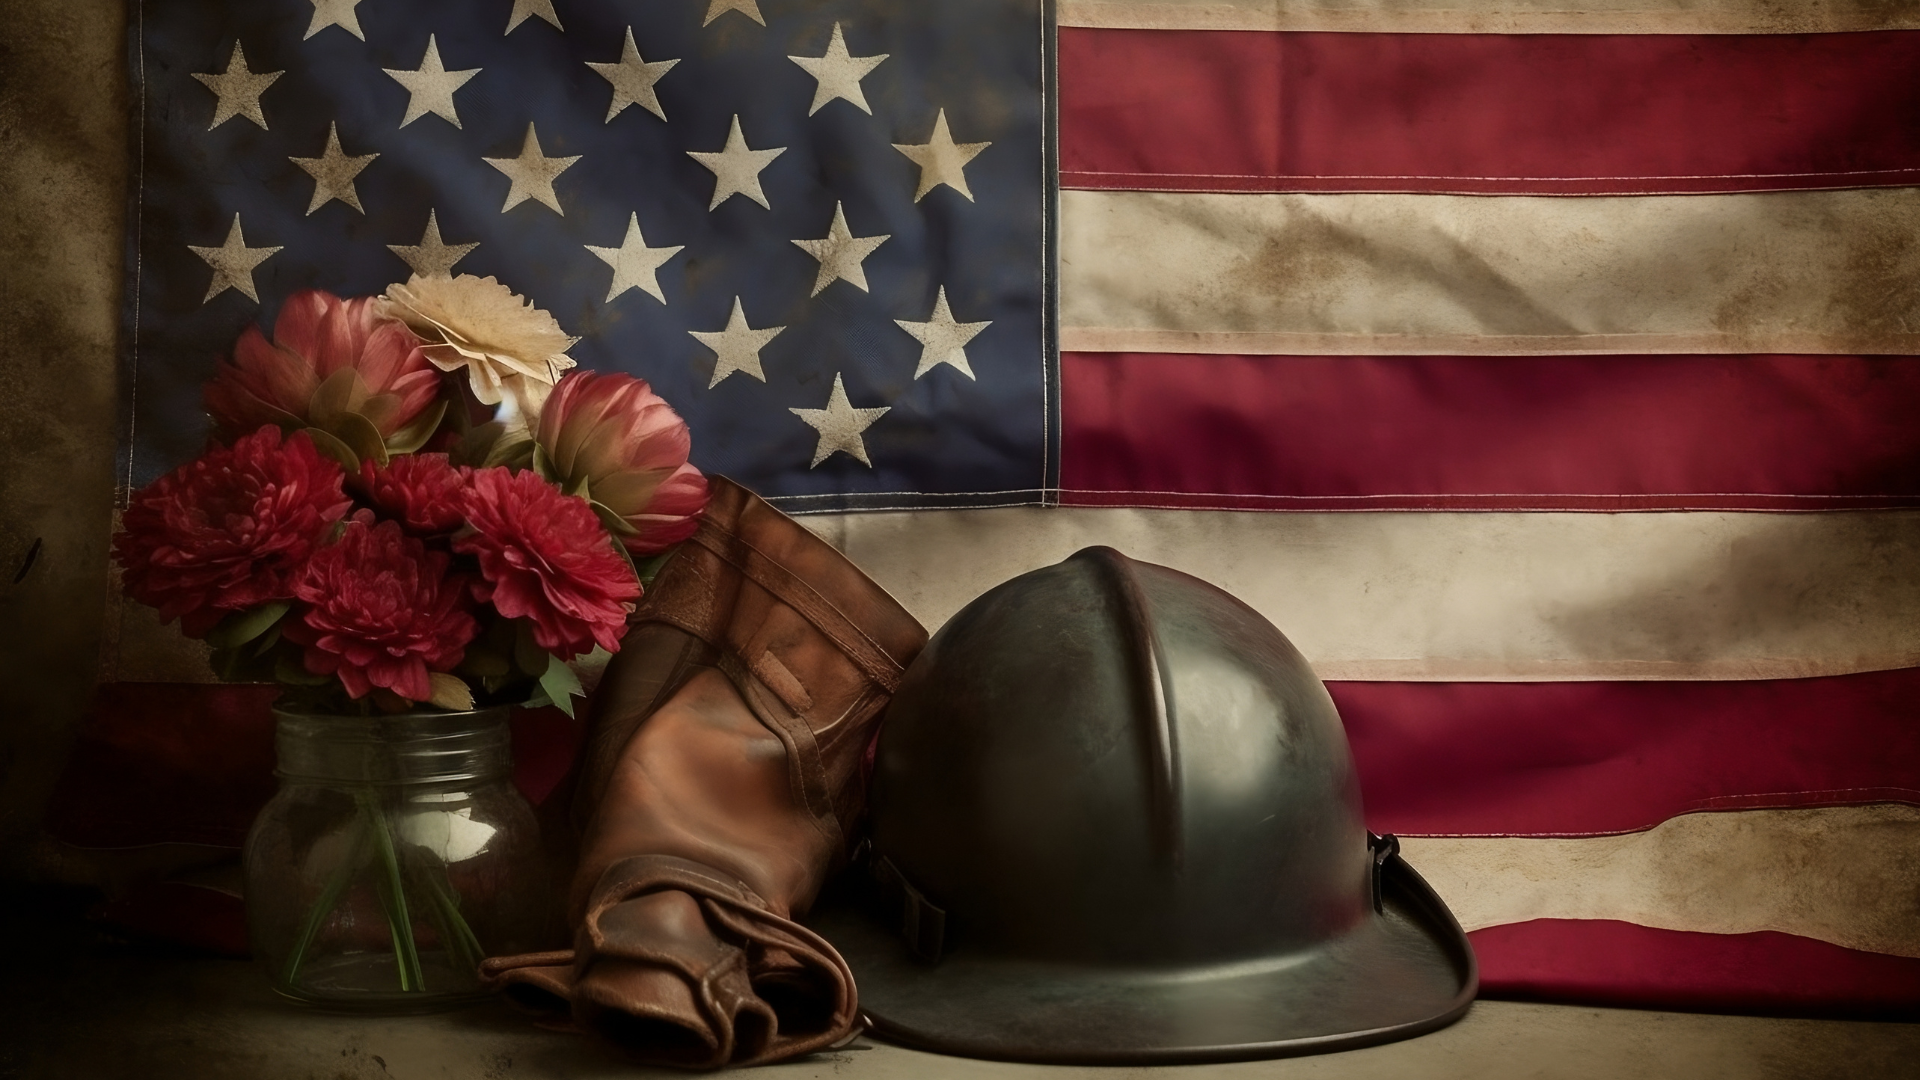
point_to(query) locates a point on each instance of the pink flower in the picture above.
(545, 557)
(422, 491)
(316, 335)
(383, 611)
(230, 530)
(614, 435)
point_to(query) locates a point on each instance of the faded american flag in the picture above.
(1489, 272)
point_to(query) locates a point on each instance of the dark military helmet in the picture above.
(1115, 819)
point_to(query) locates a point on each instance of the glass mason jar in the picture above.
(395, 857)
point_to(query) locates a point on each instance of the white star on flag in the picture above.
(635, 265)
(841, 253)
(838, 74)
(233, 262)
(736, 348)
(749, 8)
(840, 425)
(941, 160)
(532, 174)
(238, 89)
(333, 173)
(524, 9)
(941, 338)
(338, 13)
(736, 168)
(633, 80)
(431, 86)
(432, 256)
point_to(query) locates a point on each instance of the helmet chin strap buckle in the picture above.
(1383, 848)
(922, 923)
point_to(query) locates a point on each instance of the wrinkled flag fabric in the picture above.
(1544, 371)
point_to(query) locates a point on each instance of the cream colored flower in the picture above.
(507, 346)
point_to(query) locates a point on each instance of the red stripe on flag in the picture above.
(1576, 759)
(1487, 113)
(191, 763)
(1618, 963)
(1462, 432)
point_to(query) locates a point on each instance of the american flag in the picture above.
(1544, 372)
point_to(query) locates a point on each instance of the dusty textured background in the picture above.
(63, 167)
(95, 1009)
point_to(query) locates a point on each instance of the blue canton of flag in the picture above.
(820, 228)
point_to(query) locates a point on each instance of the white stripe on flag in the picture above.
(1474, 596)
(1491, 16)
(1789, 272)
(1849, 875)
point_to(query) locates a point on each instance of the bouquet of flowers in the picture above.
(410, 501)
(408, 504)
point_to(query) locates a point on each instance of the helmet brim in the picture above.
(1402, 972)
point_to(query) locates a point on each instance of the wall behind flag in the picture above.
(62, 193)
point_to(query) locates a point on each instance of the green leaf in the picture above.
(379, 408)
(543, 465)
(649, 568)
(560, 684)
(343, 392)
(449, 692)
(331, 446)
(268, 640)
(514, 449)
(243, 626)
(615, 524)
(415, 435)
(528, 656)
(593, 664)
(358, 432)
(477, 443)
(579, 489)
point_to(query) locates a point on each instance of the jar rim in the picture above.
(399, 749)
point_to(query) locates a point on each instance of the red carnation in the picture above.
(545, 557)
(230, 530)
(423, 492)
(384, 612)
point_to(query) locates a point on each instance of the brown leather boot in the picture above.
(720, 784)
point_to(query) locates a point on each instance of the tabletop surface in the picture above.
(78, 1005)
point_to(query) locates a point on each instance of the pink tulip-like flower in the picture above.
(614, 435)
(316, 335)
